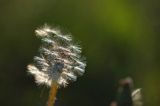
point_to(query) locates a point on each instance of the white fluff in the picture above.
(59, 59)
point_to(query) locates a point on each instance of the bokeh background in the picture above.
(120, 38)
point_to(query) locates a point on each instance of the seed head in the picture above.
(59, 59)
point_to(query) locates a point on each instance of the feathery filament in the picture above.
(59, 60)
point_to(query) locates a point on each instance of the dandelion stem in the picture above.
(52, 94)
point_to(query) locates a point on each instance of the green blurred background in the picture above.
(119, 37)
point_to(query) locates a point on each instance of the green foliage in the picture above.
(120, 38)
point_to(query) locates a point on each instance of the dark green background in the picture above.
(119, 37)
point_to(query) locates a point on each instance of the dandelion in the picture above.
(126, 96)
(59, 61)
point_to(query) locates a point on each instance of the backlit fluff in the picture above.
(137, 97)
(59, 59)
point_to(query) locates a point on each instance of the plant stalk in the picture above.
(52, 94)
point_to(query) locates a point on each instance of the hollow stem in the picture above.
(52, 94)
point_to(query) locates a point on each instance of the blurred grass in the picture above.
(119, 38)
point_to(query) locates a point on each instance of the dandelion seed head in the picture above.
(59, 59)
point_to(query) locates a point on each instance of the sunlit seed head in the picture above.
(59, 60)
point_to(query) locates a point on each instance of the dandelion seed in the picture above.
(59, 61)
(56, 53)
